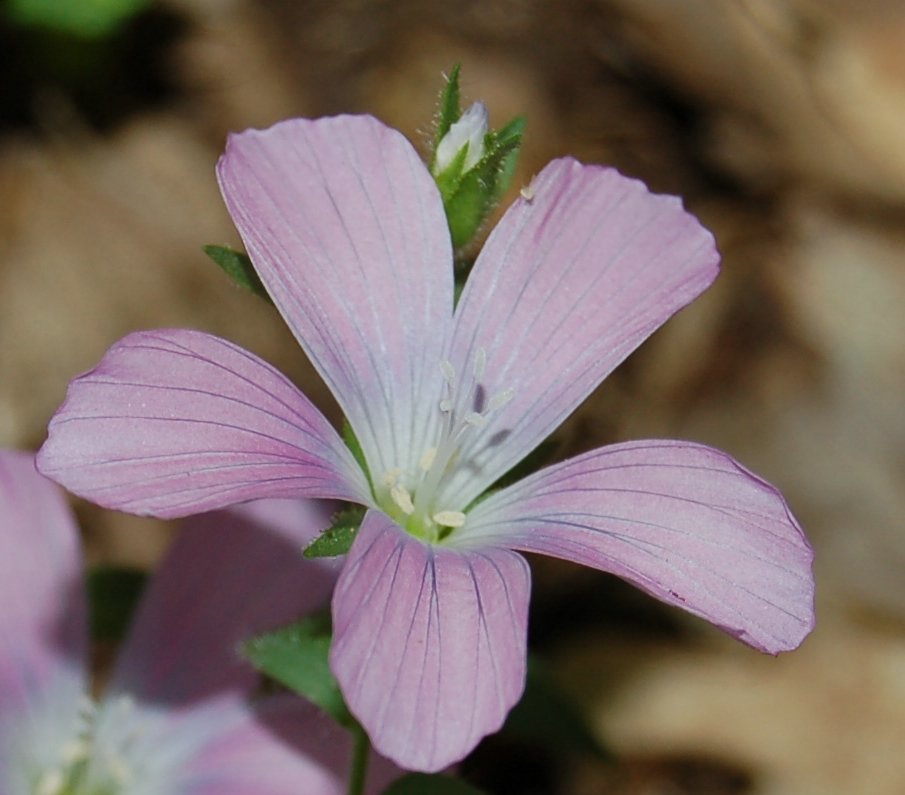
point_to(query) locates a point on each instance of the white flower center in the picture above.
(88, 767)
(411, 498)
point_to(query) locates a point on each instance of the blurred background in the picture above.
(781, 123)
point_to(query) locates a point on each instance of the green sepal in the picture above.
(113, 593)
(338, 537)
(470, 197)
(548, 718)
(297, 657)
(450, 109)
(426, 784)
(509, 138)
(238, 267)
(354, 446)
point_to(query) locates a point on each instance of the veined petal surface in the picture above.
(174, 422)
(684, 522)
(43, 625)
(347, 231)
(429, 643)
(230, 575)
(568, 284)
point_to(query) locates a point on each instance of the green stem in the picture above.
(358, 768)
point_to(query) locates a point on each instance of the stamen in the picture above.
(76, 751)
(500, 399)
(402, 498)
(449, 518)
(51, 783)
(449, 372)
(475, 420)
(391, 476)
(480, 364)
(445, 405)
(121, 772)
(427, 460)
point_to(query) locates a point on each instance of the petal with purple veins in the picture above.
(429, 642)
(175, 422)
(684, 522)
(569, 283)
(347, 231)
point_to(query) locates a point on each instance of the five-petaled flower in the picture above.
(176, 716)
(347, 231)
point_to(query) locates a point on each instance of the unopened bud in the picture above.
(469, 130)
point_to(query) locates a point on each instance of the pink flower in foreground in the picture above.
(347, 231)
(175, 717)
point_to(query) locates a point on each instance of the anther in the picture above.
(391, 476)
(76, 751)
(51, 783)
(476, 420)
(499, 400)
(402, 498)
(449, 372)
(449, 518)
(427, 460)
(445, 405)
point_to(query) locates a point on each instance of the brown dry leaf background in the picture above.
(781, 122)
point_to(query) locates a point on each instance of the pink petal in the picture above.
(42, 620)
(568, 284)
(347, 231)
(428, 643)
(174, 422)
(43, 628)
(283, 747)
(230, 575)
(684, 522)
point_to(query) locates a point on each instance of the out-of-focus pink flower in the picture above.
(175, 717)
(347, 231)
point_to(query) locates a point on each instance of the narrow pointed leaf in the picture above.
(337, 538)
(450, 105)
(296, 656)
(238, 267)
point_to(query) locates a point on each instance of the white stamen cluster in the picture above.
(87, 767)
(436, 462)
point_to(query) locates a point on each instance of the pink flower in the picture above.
(347, 231)
(175, 717)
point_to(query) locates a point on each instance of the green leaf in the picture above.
(450, 105)
(425, 784)
(337, 539)
(547, 717)
(238, 267)
(84, 18)
(113, 593)
(297, 657)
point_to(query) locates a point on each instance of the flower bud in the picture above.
(469, 131)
